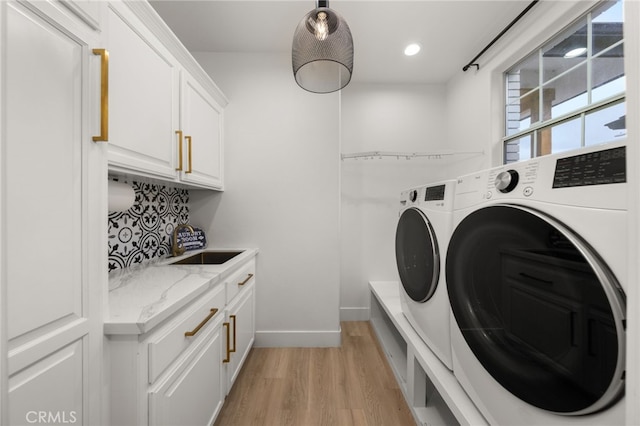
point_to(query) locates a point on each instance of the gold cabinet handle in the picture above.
(228, 357)
(104, 95)
(188, 138)
(246, 279)
(179, 133)
(233, 319)
(193, 332)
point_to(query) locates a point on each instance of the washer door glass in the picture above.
(538, 308)
(417, 255)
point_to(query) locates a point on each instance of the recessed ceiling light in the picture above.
(575, 52)
(412, 49)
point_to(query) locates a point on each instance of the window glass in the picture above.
(519, 149)
(514, 122)
(528, 72)
(607, 74)
(522, 112)
(606, 125)
(565, 94)
(607, 26)
(561, 137)
(522, 94)
(565, 51)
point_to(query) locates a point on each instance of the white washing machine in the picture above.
(422, 237)
(536, 271)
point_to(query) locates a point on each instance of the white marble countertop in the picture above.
(142, 297)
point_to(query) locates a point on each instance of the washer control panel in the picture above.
(568, 179)
(593, 168)
(437, 196)
(506, 181)
(434, 193)
(517, 179)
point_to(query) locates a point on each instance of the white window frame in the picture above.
(581, 113)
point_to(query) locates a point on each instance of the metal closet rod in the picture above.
(406, 155)
(472, 63)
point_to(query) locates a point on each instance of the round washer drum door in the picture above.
(538, 308)
(417, 255)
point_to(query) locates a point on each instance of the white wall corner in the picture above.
(354, 313)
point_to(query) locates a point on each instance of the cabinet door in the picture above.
(242, 322)
(52, 386)
(143, 98)
(193, 393)
(88, 11)
(202, 124)
(48, 261)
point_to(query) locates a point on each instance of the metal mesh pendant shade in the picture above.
(322, 59)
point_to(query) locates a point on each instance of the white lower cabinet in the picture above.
(165, 377)
(240, 317)
(191, 394)
(52, 389)
(172, 374)
(242, 330)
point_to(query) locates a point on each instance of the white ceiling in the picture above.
(451, 32)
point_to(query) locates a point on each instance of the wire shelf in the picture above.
(372, 155)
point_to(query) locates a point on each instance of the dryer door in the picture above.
(539, 309)
(417, 255)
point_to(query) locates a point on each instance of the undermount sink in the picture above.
(208, 258)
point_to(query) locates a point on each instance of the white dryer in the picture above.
(535, 274)
(422, 237)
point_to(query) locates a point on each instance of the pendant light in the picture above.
(322, 51)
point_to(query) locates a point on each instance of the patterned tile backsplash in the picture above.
(144, 232)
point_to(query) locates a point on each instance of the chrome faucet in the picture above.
(175, 249)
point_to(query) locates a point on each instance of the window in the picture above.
(570, 92)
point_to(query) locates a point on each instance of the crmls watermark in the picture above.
(51, 417)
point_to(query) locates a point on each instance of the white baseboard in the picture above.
(297, 339)
(355, 314)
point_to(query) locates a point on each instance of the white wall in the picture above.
(282, 195)
(405, 118)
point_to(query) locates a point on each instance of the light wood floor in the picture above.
(350, 385)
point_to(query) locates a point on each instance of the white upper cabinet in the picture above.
(201, 124)
(89, 11)
(52, 209)
(166, 115)
(143, 97)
